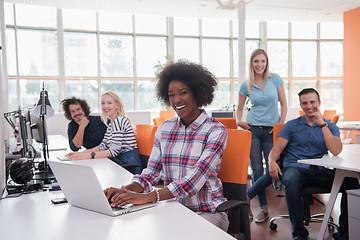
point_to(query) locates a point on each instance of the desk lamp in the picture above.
(44, 110)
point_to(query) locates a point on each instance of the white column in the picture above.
(4, 96)
(61, 58)
(241, 42)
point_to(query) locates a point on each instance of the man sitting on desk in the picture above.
(307, 137)
(83, 130)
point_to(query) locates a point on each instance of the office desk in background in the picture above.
(346, 164)
(349, 127)
(34, 217)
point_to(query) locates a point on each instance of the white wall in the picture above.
(3, 99)
(57, 124)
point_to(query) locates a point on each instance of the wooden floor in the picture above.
(277, 206)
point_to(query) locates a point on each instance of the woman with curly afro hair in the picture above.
(187, 149)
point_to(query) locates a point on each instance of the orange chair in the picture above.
(145, 135)
(233, 174)
(229, 123)
(158, 121)
(335, 118)
(301, 112)
(276, 130)
(166, 115)
(329, 114)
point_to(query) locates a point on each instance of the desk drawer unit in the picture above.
(354, 213)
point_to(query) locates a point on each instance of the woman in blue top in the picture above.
(265, 90)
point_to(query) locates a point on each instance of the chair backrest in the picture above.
(328, 114)
(335, 118)
(233, 174)
(301, 112)
(167, 114)
(145, 135)
(229, 123)
(158, 121)
(235, 160)
(276, 130)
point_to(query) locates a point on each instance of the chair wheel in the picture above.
(273, 226)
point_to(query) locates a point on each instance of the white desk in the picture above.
(347, 164)
(349, 127)
(34, 217)
(58, 143)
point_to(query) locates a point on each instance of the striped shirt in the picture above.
(190, 159)
(119, 137)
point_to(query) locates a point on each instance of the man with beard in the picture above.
(83, 129)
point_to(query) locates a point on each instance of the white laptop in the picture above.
(82, 189)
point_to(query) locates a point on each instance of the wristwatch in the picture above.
(324, 125)
(92, 155)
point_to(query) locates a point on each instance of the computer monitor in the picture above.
(28, 127)
(23, 134)
(38, 128)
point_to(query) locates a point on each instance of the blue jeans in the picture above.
(129, 157)
(295, 178)
(261, 144)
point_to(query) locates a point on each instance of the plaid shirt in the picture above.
(190, 160)
(93, 135)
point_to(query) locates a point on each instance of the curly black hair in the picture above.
(65, 103)
(200, 80)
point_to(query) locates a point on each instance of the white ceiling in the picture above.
(288, 10)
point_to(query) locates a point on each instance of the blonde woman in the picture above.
(119, 143)
(265, 90)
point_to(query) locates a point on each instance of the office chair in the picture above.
(233, 175)
(335, 118)
(229, 123)
(306, 193)
(145, 135)
(158, 121)
(167, 114)
(329, 114)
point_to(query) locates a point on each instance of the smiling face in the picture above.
(109, 106)
(76, 112)
(183, 102)
(258, 64)
(310, 103)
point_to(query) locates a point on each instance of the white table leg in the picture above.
(338, 180)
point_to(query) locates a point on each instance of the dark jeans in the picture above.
(295, 178)
(129, 157)
(261, 144)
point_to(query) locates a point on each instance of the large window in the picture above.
(38, 56)
(116, 54)
(91, 52)
(80, 51)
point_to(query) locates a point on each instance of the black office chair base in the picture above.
(313, 218)
(273, 226)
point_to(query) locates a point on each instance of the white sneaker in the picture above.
(261, 217)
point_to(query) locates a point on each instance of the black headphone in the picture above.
(21, 171)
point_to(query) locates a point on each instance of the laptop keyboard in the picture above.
(122, 208)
